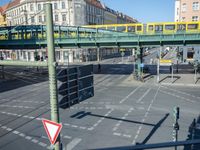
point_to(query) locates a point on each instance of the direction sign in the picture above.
(165, 61)
(52, 129)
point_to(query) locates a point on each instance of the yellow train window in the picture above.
(150, 27)
(192, 26)
(159, 28)
(181, 26)
(103, 28)
(122, 29)
(170, 27)
(139, 28)
(131, 29)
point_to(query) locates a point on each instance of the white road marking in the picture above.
(124, 99)
(24, 136)
(67, 137)
(141, 98)
(73, 143)
(120, 121)
(180, 92)
(145, 116)
(180, 97)
(118, 134)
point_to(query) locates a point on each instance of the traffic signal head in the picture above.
(176, 113)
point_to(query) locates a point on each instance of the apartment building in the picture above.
(3, 15)
(187, 10)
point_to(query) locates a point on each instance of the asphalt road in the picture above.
(122, 112)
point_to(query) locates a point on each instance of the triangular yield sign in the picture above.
(52, 129)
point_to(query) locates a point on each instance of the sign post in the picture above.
(52, 70)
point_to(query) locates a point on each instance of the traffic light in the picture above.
(176, 113)
(75, 85)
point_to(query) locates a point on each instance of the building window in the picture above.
(64, 17)
(55, 6)
(56, 17)
(32, 20)
(39, 7)
(40, 19)
(195, 6)
(31, 7)
(183, 19)
(63, 5)
(184, 7)
(195, 18)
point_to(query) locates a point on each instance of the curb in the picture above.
(181, 84)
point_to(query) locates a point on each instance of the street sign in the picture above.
(52, 129)
(142, 65)
(165, 62)
(122, 53)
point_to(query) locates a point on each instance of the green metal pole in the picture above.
(52, 70)
(138, 53)
(98, 54)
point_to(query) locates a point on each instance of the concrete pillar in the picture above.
(185, 54)
(98, 54)
(71, 56)
(61, 56)
(32, 56)
(26, 53)
(197, 53)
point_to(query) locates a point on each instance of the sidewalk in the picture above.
(180, 80)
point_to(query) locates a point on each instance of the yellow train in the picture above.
(152, 28)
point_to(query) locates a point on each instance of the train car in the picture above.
(132, 28)
(173, 27)
(161, 28)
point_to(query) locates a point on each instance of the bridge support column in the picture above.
(139, 58)
(185, 49)
(98, 54)
(71, 56)
(158, 64)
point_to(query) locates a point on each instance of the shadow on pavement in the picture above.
(82, 114)
(14, 81)
(154, 129)
(113, 69)
(193, 134)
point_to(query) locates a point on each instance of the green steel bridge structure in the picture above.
(34, 37)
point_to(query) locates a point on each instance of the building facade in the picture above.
(31, 12)
(187, 10)
(3, 15)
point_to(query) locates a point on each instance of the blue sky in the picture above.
(143, 10)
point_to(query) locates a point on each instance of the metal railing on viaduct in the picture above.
(31, 37)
